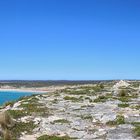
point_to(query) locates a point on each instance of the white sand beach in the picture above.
(35, 90)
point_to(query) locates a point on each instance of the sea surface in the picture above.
(6, 96)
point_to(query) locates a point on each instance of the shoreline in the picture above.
(22, 90)
(49, 89)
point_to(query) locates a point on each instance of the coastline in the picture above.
(73, 107)
(22, 90)
(49, 89)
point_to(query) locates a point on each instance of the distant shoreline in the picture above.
(22, 90)
(49, 89)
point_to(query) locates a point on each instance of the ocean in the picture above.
(6, 96)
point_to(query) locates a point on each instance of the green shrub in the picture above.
(122, 93)
(7, 135)
(5, 120)
(87, 117)
(10, 103)
(17, 113)
(124, 99)
(31, 108)
(137, 107)
(123, 105)
(101, 99)
(136, 130)
(61, 121)
(22, 127)
(46, 137)
(101, 86)
(119, 120)
(6, 123)
(74, 99)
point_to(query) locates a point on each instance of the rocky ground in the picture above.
(105, 111)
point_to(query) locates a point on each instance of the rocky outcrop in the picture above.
(84, 113)
(121, 84)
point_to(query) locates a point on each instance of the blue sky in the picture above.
(69, 39)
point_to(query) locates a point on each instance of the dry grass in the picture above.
(5, 120)
(6, 123)
(7, 135)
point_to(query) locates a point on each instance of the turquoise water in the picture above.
(6, 96)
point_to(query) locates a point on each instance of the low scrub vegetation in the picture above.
(101, 99)
(136, 130)
(21, 127)
(73, 99)
(123, 105)
(6, 123)
(61, 121)
(17, 113)
(11, 130)
(10, 103)
(122, 93)
(87, 117)
(119, 120)
(47, 137)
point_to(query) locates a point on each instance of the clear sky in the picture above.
(69, 39)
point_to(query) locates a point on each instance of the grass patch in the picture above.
(29, 109)
(123, 105)
(85, 90)
(88, 117)
(17, 113)
(61, 121)
(32, 98)
(96, 88)
(123, 93)
(119, 120)
(88, 98)
(136, 130)
(73, 99)
(10, 103)
(136, 123)
(124, 99)
(79, 92)
(136, 107)
(47, 137)
(22, 127)
(37, 108)
(101, 99)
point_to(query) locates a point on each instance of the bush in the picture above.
(122, 93)
(101, 86)
(136, 131)
(123, 105)
(73, 99)
(22, 127)
(5, 120)
(46, 137)
(6, 123)
(61, 121)
(7, 135)
(10, 103)
(101, 99)
(119, 120)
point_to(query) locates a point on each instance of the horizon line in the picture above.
(68, 80)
